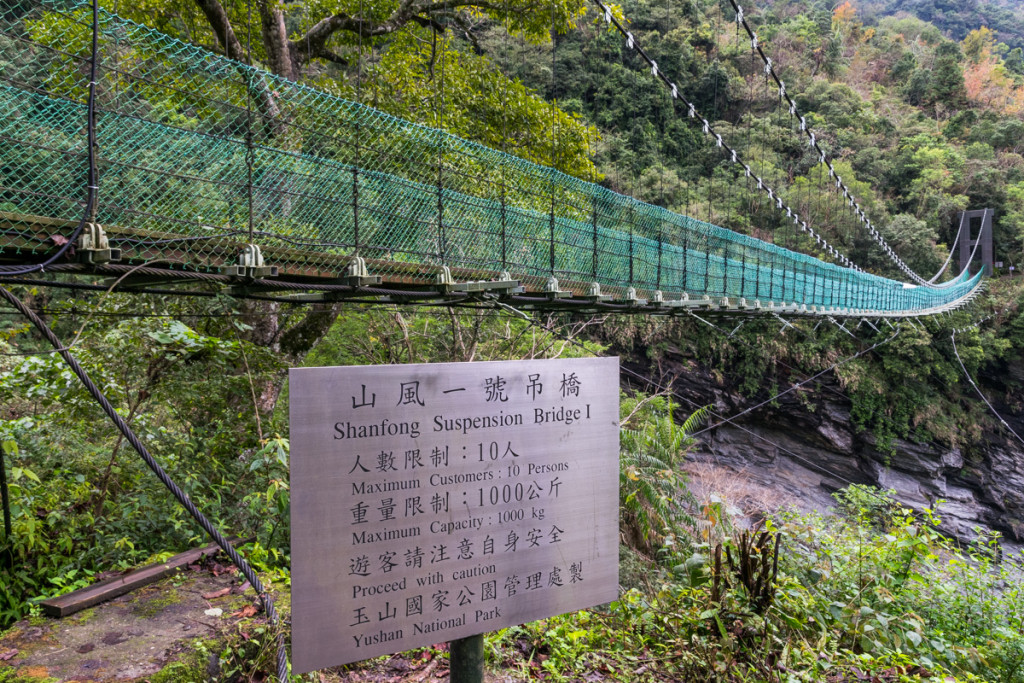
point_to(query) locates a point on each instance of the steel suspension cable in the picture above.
(710, 132)
(693, 404)
(798, 385)
(952, 249)
(978, 390)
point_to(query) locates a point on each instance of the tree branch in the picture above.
(221, 26)
(275, 40)
(467, 31)
(428, 22)
(313, 43)
(332, 57)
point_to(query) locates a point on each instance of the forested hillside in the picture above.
(927, 125)
(957, 19)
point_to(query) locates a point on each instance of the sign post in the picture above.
(466, 658)
(434, 503)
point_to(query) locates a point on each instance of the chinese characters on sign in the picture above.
(434, 502)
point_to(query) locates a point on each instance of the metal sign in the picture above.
(435, 502)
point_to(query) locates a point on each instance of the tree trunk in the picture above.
(275, 40)
(291, 337)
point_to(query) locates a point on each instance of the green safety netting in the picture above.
(199, 155)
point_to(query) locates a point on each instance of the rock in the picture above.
(806, 445)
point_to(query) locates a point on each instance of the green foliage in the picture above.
(439, 79)
(851, 601)
(188, 390)
(866, 505)
(476, 102)
(654, 504)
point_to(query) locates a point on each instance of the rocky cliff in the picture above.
(806, 445)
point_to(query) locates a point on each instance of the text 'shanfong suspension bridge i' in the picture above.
(209, 169)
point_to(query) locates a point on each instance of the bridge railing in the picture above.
(200, 155)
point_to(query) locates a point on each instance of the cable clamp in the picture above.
(631, 298)
(513, 310)
(553, 291)
(739, 14)
(250, 264)
(629, 40)
(675, 92)
(654, 68)
(594, 293)
(357, 274)
(94, 247)
(608, 15)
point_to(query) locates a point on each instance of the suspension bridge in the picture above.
(132, 155)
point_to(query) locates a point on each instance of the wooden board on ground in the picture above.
(119, 585)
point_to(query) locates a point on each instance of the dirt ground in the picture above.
(168, 632)
(132, 637)
(403, 669)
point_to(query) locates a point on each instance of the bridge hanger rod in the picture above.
(812, 141)
(733, 154)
